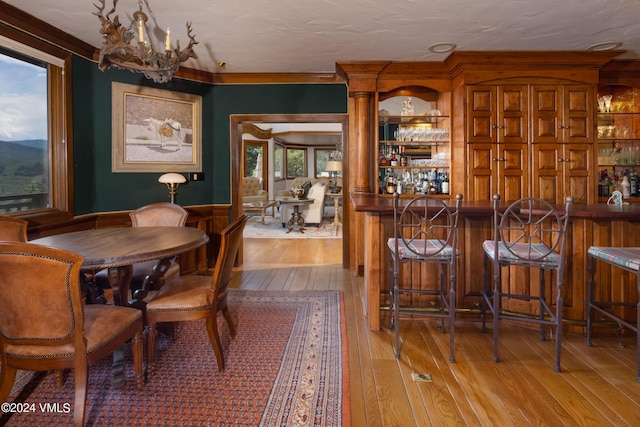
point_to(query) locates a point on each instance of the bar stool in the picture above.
(627, 259)
(531, 233)
(424, 232)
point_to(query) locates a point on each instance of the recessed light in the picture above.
(442, 47)
(605, 46)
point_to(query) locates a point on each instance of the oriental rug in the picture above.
(272, 229)
(286, 366)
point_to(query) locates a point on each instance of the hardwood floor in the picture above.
(597, 386)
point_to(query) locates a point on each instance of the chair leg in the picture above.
(452, 313)
(214, 338)
(638, 326)
(559, 303)
(485, 293)
(137, 349)
(590, 298)
(7, 378)
(496, 308)
(396, 319)
(227, 317)
(81, 377)
(542, 300)
(442, 292)
(58, 378)
(151, 345)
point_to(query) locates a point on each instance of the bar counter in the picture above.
(601, 225)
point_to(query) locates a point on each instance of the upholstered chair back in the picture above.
(13, 229)
(159, 214)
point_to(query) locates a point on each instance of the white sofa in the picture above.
(312, 213)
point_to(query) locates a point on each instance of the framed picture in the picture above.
(155, 130)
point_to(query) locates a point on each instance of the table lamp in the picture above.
(172, 180)
(333, 167)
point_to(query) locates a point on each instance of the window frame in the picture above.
(60, 154)
(319, 172)
(304, 161)
(279, 149)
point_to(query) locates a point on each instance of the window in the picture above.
(296, 162)
(278, 161)
(33, 149)
(321, 158)
(255, 160)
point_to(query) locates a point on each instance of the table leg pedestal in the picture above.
(296, 218)
(119, 280)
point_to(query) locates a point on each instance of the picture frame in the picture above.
(155, 130)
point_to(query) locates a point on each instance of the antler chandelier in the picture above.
(129, 49)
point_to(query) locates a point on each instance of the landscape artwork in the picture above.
(155, 130)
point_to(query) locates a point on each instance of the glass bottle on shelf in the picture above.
(633, 181)
(445, 183)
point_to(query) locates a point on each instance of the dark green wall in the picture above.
(97, 189)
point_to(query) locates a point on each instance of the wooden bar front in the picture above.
(601, 225)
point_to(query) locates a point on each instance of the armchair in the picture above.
(44, 324)
(252, 190)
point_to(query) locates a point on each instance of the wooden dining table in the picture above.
(117, 249)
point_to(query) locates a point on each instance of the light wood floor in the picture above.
(596, 388)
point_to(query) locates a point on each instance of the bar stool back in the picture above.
(424, 232)
(530, 232)
(627, 259)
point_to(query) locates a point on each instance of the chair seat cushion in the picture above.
(102, 323)
(184, 293)
(419, 248)
(522, 252)
(623, 257)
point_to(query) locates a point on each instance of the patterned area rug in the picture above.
(272, 228)
(286, 366)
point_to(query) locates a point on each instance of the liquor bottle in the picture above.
(633, 180)
(394, 158)
(445, 184)
(625, 186)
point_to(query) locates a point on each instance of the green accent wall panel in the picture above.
(97, 189)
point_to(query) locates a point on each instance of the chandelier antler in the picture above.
(121, 49)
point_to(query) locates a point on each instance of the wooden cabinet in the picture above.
(561, 170)
(562, 113)
(497, 114)
(497, 135)
(497, 169)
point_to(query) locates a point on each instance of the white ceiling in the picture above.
(312, 35)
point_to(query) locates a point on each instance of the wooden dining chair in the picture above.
(13, 229)
(193, 297)
(44, 324)
(153, 215)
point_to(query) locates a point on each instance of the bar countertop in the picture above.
(373, 203)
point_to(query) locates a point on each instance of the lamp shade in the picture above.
(333, 166)
(172, 178)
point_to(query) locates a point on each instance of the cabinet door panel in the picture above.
(578, 113)
(547, 171)
(512, 171)
(512, 114)
(577, 177)
(480, 113)
(547, 109)
(480, 163)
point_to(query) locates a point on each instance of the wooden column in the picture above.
(362, 146)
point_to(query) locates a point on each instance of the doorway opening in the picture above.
(266, 121)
